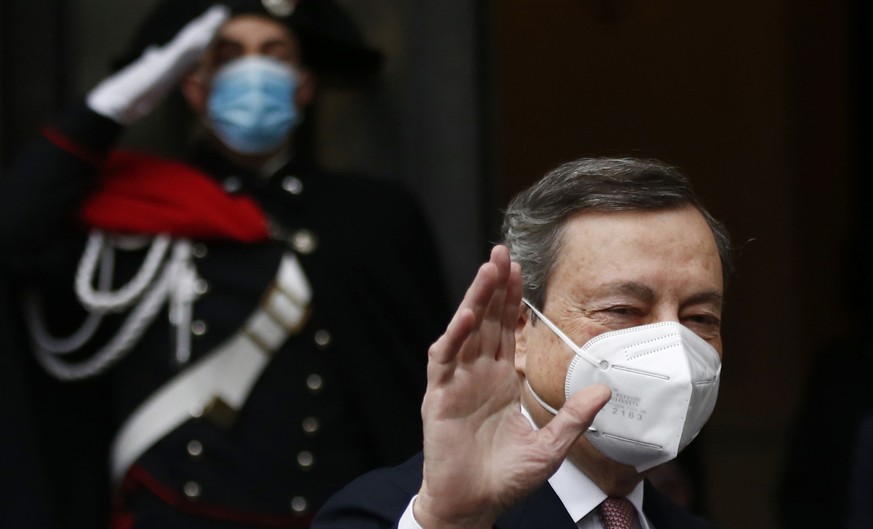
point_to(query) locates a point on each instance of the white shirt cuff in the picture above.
(407, 521)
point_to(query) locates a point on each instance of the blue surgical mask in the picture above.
(251, 104)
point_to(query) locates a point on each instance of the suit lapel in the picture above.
(665, 514)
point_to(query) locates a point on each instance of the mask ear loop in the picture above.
(569, 343)
(548, 407)
(596, 362)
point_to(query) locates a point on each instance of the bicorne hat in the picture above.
(330, 41)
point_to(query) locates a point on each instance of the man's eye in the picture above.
(281, 52)
(620, 315)
(623, 311)
(704, 319)
(225, 52)
(705, 325)
(223, 58)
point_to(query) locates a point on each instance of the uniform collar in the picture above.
(211, 160)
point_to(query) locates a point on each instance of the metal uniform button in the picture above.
(299, 504)
(232, 184)
(311, 426)
(292, 184)
(322, 339)
(304, 241)
(199, 250)
(315, 383)
(198, 327)
(305, 459)
(192, 490)
(201, 286)
(194, 449)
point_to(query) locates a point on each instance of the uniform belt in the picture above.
(222, 379)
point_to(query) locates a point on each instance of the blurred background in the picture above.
(766, 105)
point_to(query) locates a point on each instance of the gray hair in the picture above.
(533, 224)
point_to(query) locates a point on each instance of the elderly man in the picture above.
(225, 330)
(524, 426)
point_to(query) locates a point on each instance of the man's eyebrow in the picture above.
(644, 293)
(707, 296)
(276, 41)
(225, 41)
(627, 288)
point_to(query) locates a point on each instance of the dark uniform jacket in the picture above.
(340, 397)
(378, 499)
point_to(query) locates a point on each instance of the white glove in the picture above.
(139, 87)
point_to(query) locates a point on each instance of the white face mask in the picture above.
(664, 382)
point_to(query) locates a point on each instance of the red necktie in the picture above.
(617, 513)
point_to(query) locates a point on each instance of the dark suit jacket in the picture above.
(378, 499)
(860, 511)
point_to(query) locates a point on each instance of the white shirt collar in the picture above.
(580, 495)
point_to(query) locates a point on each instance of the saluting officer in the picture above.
(236, 334)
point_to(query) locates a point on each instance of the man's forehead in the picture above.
(612, 249)
(253, 26)
(680, 223)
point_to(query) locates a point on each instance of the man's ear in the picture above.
(195, 91)
(521, 330)
(305, 93)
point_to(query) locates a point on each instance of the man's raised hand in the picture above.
(481, 454)
(134, 91)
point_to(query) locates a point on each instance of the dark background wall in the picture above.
(765, 105)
